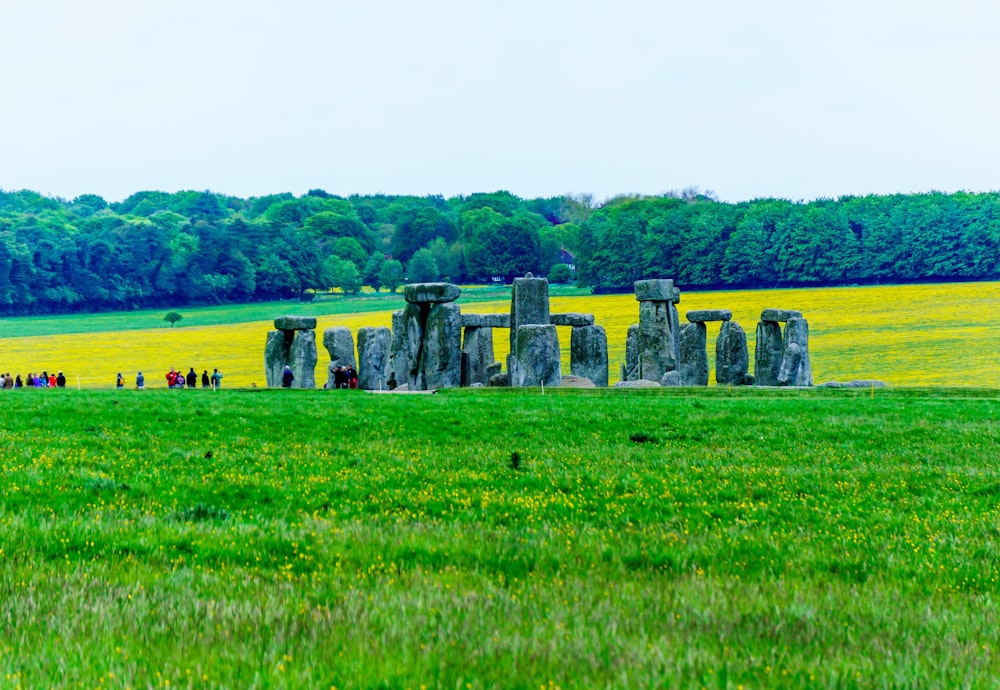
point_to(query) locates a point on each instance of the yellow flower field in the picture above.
(904, 335)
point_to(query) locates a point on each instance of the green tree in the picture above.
(391, 274)
(422, 267)
(560, 273)
(172, 317)
(343, 274)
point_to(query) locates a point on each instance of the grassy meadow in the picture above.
(576, 539)
(904, 335)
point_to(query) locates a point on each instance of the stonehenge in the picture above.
(432, 344)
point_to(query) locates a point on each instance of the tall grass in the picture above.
(641, 539)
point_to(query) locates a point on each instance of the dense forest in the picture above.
(157, 249)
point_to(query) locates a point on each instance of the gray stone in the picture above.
(675, 329)
(441, 352)
(431, 293)
(339, 342)
(732, 358)
(499, 381)
(631, 372)
(492, 370)
(767, 354)
(748, 380)
(661, 290)
(485, 320)
(302, 359)
(656, 349)
(671, 378)
(295, 323)
(276, 356)
(677, 296)
(857, 383)
(795, 367)
(693, 365)
(373, 358)
(536, 357)
(406, 359)
(573, 381)
(588, 354)
(529, 305)
(477, 355)
(699, 315)
(571, 319)
(396, 347)
(780, 315)
(639, 383)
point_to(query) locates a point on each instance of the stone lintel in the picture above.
(697, 315)
(779, 315)
(295, 323)
(485, 320)
(425, 293)
(571, 318)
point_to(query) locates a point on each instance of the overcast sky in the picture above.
(539, 97)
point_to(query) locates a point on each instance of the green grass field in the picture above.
(500, 539)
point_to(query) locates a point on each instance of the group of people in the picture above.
(43, 380)
(344, 377)
(176, 379)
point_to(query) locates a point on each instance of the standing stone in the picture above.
(339, 342)
(795, 367)
(396, 348)
(767, 353)
(529, 304)
(373, 358)
(302, 359)
(411, 337)
(631, 372)
(656, 352)
(659, 290)
(477, 355)
(536, 357)
(694, 354)
(675, 330)
(441, 354)
(588, 347)
(731, 355)
(276, 356)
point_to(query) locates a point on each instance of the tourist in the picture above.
(140, 381)
(171, 378)
(204, 379)
(61, 380)
(120, 381)
(352, 376)
(192, 378)
(17, 382)
(216, 378)
(287, 377)
(179, 381)
(339, 377)
(52, 380)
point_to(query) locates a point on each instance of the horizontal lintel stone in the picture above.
(423, 293)
(697, 315)
(571, 318)
(295, 323)
(779, 315)
(486, 320)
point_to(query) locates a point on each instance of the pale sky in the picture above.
(748, 98)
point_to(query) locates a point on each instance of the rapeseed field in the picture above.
(912, 335)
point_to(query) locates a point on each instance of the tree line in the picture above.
(156, 249)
